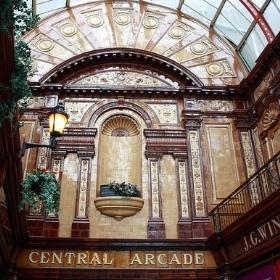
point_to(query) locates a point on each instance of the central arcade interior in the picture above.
(157, 99)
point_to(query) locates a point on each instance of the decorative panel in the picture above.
(155, 189)
(184, 201)
(82, 198)
(43, 152)
(249, 164)
(167, 113)
(196, 174)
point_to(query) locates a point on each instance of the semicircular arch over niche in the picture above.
(102, 25)
(120, 125)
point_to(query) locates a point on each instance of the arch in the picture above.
(138, 60)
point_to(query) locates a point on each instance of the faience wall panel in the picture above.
(169, 196)
(222, 158)
(68, 194)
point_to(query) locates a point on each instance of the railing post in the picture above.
(217, 222)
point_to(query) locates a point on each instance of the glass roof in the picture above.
(248, 27)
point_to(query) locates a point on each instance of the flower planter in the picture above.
(118, 206)
(105, 190)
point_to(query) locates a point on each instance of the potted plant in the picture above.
(120, 189)
(41, 191)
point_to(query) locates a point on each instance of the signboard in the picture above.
(255, 238)
(115, 259)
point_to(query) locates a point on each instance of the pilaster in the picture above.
(200, 223)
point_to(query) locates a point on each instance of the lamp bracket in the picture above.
(27, 145)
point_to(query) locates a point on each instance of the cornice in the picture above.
(160, 141)
(79, 140)
(245, 119)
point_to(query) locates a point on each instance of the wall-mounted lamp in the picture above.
(57, 122)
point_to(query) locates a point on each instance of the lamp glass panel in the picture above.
(57, 122)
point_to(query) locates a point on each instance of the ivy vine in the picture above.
(16, 16)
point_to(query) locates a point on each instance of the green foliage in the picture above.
(41, 191)
(125, 189)
(15, 15)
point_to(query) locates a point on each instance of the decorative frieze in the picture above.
(76, 110)
(263, 87)
(167, 113)
(215, 105)
(120, 76)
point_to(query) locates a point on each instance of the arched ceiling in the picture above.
(249, 25)
(100, 26)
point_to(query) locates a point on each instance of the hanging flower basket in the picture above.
(41, 191)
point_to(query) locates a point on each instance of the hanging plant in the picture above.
(16, 16)
(41, 191)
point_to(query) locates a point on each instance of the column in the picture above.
(51, 222)
(184, 227)
(81, 224)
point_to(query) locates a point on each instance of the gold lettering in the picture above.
(31, 257)
(58, 258)
(276, 224)
(82, 258)
(199, 258)
(136, 258)
(188, 258)
(246, 244)
(253, 239)
(105, 259)
(69, 257)
(262, 231)
(159, 259)
(270, 229)
(95, 259)
(174, 259)
(149, 258)
(45, 257)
